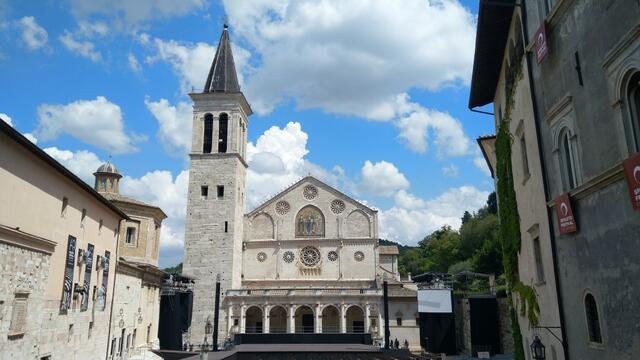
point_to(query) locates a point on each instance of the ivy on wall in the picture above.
(509, 231)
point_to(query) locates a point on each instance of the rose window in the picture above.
(359, 256)
(282, 207)
(310, 192)
(288, 256)
(332, 255)
(337, 206)
(261, 257)
(310, 255)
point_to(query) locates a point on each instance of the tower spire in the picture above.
(222, 75)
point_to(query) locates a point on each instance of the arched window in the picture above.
(223, 133)
(208, 134)
(567, 161)
(633, 101)
(309, 222)
(593, 319)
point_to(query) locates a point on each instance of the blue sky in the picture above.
(369, 96)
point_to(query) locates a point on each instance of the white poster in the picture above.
(434, 301)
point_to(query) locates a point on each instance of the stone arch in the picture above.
(304, 319)
(262, 227)
(253, 320)
(330, 319)
(278, 319)
(358, 225)
(309, 222)
(355, 319)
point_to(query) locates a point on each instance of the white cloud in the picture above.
(417, 124)
(31, 138)
(127, 13)
(97, 122)
(160, 188)
(89, 30)
(191, 62)
(352, 57)
(134, 65)
(84, 48)
(6, 118)
(382, 178)
(450, 170)
(82, 163)
(33, 35)
(481, 164)
(411, 219)
(174, 123)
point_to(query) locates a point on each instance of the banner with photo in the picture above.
(87, 278)
(67, 286)
(102, 292)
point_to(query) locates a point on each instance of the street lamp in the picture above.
(537, 349)
(385, 297)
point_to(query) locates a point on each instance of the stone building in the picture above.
(58, 244)
(500, 77)
(584, 74)
(136, 307)
(307, 260)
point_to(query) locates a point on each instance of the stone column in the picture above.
(243, 319)
(343, 318)
(291, 323)
(266, 319)
(367, 314)
(318, 319)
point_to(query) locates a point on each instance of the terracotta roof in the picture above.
(222, 75)
(388, 250)
(121, 198)
(401, 291)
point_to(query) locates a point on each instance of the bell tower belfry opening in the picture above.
(214, 224)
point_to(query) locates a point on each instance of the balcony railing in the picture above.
(302, 292)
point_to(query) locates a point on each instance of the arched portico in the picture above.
(253, 320)
(304, 319)
(330, 320)
(278, 319)
(355, 319)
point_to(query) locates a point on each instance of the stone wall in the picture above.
(21, 271)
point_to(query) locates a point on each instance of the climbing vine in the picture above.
(509, 231)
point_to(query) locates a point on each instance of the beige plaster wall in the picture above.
(32, 194)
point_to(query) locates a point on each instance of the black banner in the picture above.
(105, 281)
(67, 286)
(87, 278)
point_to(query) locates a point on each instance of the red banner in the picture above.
(564, 214)
(541, 43)
(632, 173)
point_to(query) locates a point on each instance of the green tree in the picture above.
(442, 249)
(476, 231)
(466, 217)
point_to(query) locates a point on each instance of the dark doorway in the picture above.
(438, 332)
(307, 323)
(485, 335)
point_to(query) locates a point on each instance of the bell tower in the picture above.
(215, 205)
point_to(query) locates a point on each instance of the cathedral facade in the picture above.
(306, 261)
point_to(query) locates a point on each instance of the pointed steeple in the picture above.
(222, 76)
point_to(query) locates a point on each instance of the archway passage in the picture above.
(277, 320)
(330, 320)
(253, 320)
(304, 320)
(355, 320)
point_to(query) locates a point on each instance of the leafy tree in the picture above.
(476, 231)
(466, 217)
(176, 270)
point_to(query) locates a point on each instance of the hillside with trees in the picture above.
(473, 247)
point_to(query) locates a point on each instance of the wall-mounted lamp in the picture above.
(537, 349)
